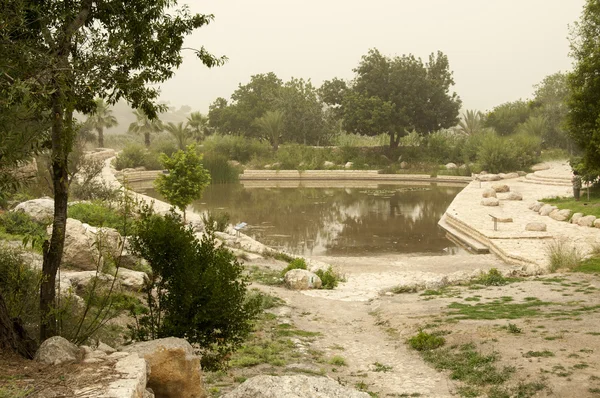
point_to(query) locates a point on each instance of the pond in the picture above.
(357, 221)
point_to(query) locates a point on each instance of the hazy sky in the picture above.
(498, 49)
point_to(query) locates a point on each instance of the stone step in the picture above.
(462, 238)
(538, 176)
(545, 182)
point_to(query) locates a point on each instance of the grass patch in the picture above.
(379, 367)
(264, 276)
(514, 329)
(98, 214)
(589, 266)
(496, 310)
(424, 341)
(278, 256)
(563, 255)
(589, 207)
(297, 263)
(538, 354)
(404, 289)
(329, 278)
(491, 278)
(337, 361)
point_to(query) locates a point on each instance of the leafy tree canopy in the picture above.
(505, 118)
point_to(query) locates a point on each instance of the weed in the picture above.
(581, 365)
(337, 361)
(512, 328)
(424, 341)
(563, 255)
(496, 310)
(297, 263)
(265, 276)
(492, 278)
(379, 367)
(278, 256)
(538, 354)
(329, 278)
(404, 289)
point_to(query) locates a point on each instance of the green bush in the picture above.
(297, 263)
(133, 156)
(98, 214)
(196, 289)
(491, 278)
(329, 278)
(21, 224)
(216, 222)
(221, 171)
(237, 148)
(424, 341)
(527, 149)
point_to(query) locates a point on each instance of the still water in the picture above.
(358, 221)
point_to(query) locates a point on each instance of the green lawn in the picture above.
(589, 207)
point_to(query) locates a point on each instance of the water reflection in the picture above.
(338, 221)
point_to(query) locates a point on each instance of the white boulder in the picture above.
(57, 350)
(586, 221)
(403, 165)
(536, 206)
(508, 176)
(500, 188)
(575, 218)
(490, 202)
(301, 279)
(514, 196)
(560, 215)
(348, 165)
(296, 386)
(41, 210)
(547, 209)
(327, 164)
(536, 226)
(488, 177)
(488, 193)
(80, 251)
(451, 166)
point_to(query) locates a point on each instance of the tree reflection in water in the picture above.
(337, 221)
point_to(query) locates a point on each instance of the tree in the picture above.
(66, 54)
(332, 93)
(271, 126)
(145, 125)
(471, 123)
(198, 124)
(196, 289)
(414, 96)
(505, 118)
(186, 179)
(180, 132)
(550, 102)
(100, 119)
(534, 125)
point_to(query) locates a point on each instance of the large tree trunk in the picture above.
(53, 250)
(100, 137)
(394, 139)
(12, 335)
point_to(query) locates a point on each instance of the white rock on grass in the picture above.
(348, 165)
(500, 188)
(451, 166)
(576, 217)
(296, 386)
(403, 165)
(597, 223)
(41, 210)
(490, 202)
(174, 368)
(80, 250)
(560, 215)
(488, 193)
(327, 164)
(57, 350)
(586, 221)
(536, 226)
(301, 279)
(547, 209)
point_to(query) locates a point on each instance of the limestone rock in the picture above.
(508, 176)
(521, 173)
(175, 371)
(297, 386)
(57, 350)
(576, 217)
(500, 188)
(536, 226)
(327, 164)
(80, 251)
(490, 202)
(133, 371)
(131, 279)
(301, 279)
(106, 348)
(488, 177)
(597, 223)
(560, 215)
(403, 165)
(539, 167)
(348, 165)
(41, 210)
(95, 356)
(586, 221)
(547, 209)
(451, 166)
(536, 206)
(488, 193)
(514, 196)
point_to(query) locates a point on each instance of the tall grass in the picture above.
(563, 255)
(221, 170)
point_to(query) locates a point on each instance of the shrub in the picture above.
(424, 341)
(237, 148)
(137, 156)
(491, 278)
(20, 223)
(562, 254)
(329, 278)
(496, 154)
(98, 214)
(196, 289)
(221, 171)
(215, 222)
(297, 263)
(527, 149)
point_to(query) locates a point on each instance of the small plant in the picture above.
(514, 329)
(297, 263)
(562, 254)
(337, 361)
(329, 278)
(424, 341)
(278, 256)
(216, 222)
(379, 367)
(404, 289)
(492, 278)
(538, 354)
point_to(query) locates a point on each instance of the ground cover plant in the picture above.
(589, 207)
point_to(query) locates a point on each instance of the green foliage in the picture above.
(550, 103)
(99, 214)
(100, 119)
(180, 132)
(505, 118)
(220, 169)
(329, 278)
(186, 180)
(491, 278)
(563, 255)
(196, 289)
(21, 224)
(236, 148)
(503, 154)
(337, 361)
(297, 263)
(514, 329)
(133, 156)
(471, 122)
(216, 221)
(270, 126)
(424, 341)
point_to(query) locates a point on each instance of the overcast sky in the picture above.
(498, 49)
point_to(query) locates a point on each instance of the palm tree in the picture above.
(180, 132)
(100, 119)
(471, 123)
(145, 126)
(198, 124)
(271, 126)
(534, 125)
